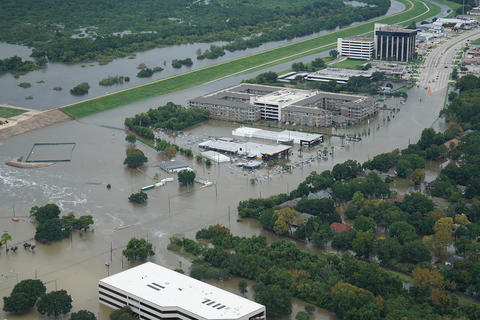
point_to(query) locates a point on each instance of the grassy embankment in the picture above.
(6, 112)
(453, 7)
(250, 63)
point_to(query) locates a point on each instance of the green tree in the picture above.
(55, 303)
(416, 202)
(403, 231)
(362, 244)
(351, 302)
(443, 236)
(5, 238)
(284, 220)
(130, 138)
(333, 53)
(138, 249)
(48, 211)
(83, 223)
(418, 175)
(415, 252)
(23, 296)
(299, 66)
(186, 177)
(363, 223)
(318, 63)
(242, 286)
(275, 299)
(139, 197)
(83, 315)
(170, 152)
(388, 250)
(52, 230)
(302, 315)
(80, 89)
(135, 160)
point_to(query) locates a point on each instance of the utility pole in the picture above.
(111, 250)
(229, 225)
(169, 205)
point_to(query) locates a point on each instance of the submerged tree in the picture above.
(138, 249)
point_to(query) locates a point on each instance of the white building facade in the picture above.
(360, 48)
(154, 292)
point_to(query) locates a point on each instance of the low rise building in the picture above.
(299, 107)
(153, 292)
(173, 166)
(248, 149)
(307, 116)
(361, 48)
(338, 74)
(301, 138)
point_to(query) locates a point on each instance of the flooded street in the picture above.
(78, 263)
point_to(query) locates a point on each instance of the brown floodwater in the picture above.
(76, 264)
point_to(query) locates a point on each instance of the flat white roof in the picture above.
(284, 96)
(249, 149)
(340, 74)
(285, 135)
(180, 292)
(215, 156)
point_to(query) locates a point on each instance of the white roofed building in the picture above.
(154, 292)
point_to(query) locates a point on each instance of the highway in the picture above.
(437, 67)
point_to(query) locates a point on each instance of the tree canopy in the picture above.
(135, 159)
(83, 315)
(23, 296)
(138, 249)
(55, 303)
(186, 177)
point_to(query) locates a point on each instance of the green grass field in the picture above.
(349, 64)
(6, 112)
(453, 6)
(415, 10)
(476, 42)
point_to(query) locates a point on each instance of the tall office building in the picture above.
(394, 43)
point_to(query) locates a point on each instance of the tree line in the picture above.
(170, 117)
(52, 29)
(351, 288)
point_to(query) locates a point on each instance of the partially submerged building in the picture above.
(251, 150)
(248, 102)
(173, 166)
(301, 138)
(155, 292)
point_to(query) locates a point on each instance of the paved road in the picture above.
(435, 71)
